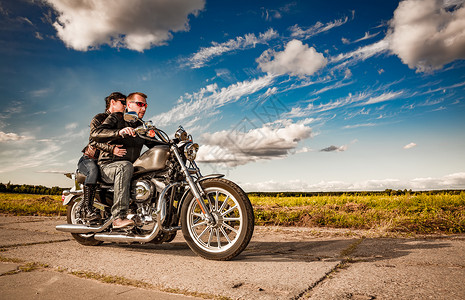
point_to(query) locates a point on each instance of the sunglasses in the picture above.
(122, 101)
(140, 104)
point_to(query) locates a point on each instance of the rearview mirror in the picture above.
(130, 116)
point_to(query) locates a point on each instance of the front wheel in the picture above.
(73, 216)
(232, 230)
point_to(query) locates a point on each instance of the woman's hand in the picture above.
(118, 151)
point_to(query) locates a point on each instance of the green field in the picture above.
(29, 204)
(411, 213)
(418, 213)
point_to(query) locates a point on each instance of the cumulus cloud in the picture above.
(135, 25)
(7, 137)
(249, 40)
(234, 148)
(297, 59)
(427, 34)
(410, 145)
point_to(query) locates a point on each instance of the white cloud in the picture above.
(209, 99)
(383, 97)
(362, 53)
(296, 59)
(427, 34)
(297, 32)
(365, 37)
(249, 40)
(7, 137)
(135, 24)
(234, 148)
(71, 126)
(410, 145)
(452, 181)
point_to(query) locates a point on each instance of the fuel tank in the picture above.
(152, 160)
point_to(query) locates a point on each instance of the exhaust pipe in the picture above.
(161, 215)
(122, 238)
(79, 228)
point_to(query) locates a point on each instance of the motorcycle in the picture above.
(168, 193)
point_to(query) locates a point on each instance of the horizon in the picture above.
(282, 95)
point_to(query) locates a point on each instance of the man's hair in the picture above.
(113, 96)
(131, 96)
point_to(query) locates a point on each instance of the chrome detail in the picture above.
(130, 116)
(190, 150)
(196, 191)
(79, 228)
(225, 231)
(181, 134)
(142, 190)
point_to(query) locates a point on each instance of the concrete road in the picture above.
(37, 262)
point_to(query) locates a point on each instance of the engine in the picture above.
(142, 190)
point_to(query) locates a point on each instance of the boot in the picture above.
(88, 202)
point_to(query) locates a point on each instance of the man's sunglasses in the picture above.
(122, 101)
(140, 104)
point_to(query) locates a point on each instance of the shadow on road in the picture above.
(368, 250)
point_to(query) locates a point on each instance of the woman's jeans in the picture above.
(88, 166)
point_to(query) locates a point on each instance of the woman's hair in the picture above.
(113, 96)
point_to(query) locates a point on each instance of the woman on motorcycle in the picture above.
(87, 165)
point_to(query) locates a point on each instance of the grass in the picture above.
(423, 213)
(28, 205)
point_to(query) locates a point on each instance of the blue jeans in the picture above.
(88, 167)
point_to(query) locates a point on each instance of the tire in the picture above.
(73, 217)
(233, 212)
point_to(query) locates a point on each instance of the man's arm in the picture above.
(106, 131)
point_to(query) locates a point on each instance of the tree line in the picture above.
(29, 189)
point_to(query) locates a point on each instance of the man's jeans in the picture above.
(119, 173)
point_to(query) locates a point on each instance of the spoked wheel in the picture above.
(230, 233)
(73, 216)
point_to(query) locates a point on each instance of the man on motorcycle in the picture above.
(87, 165)
(119, 169)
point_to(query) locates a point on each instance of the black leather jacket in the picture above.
(108, 132)
(97, 120)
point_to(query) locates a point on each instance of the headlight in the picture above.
(190, 151)
(181, 134)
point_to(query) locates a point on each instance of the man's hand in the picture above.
(127, 131)
(118, 151)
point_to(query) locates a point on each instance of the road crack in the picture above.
(345, 262)
(33, 243)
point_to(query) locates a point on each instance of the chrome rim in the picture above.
(225, 231)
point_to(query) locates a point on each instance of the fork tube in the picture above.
(193, 186)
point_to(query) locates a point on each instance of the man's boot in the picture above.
(88, 202)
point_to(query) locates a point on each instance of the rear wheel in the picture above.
(232, 230)
(73, 215)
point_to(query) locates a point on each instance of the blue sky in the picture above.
(281, 95)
